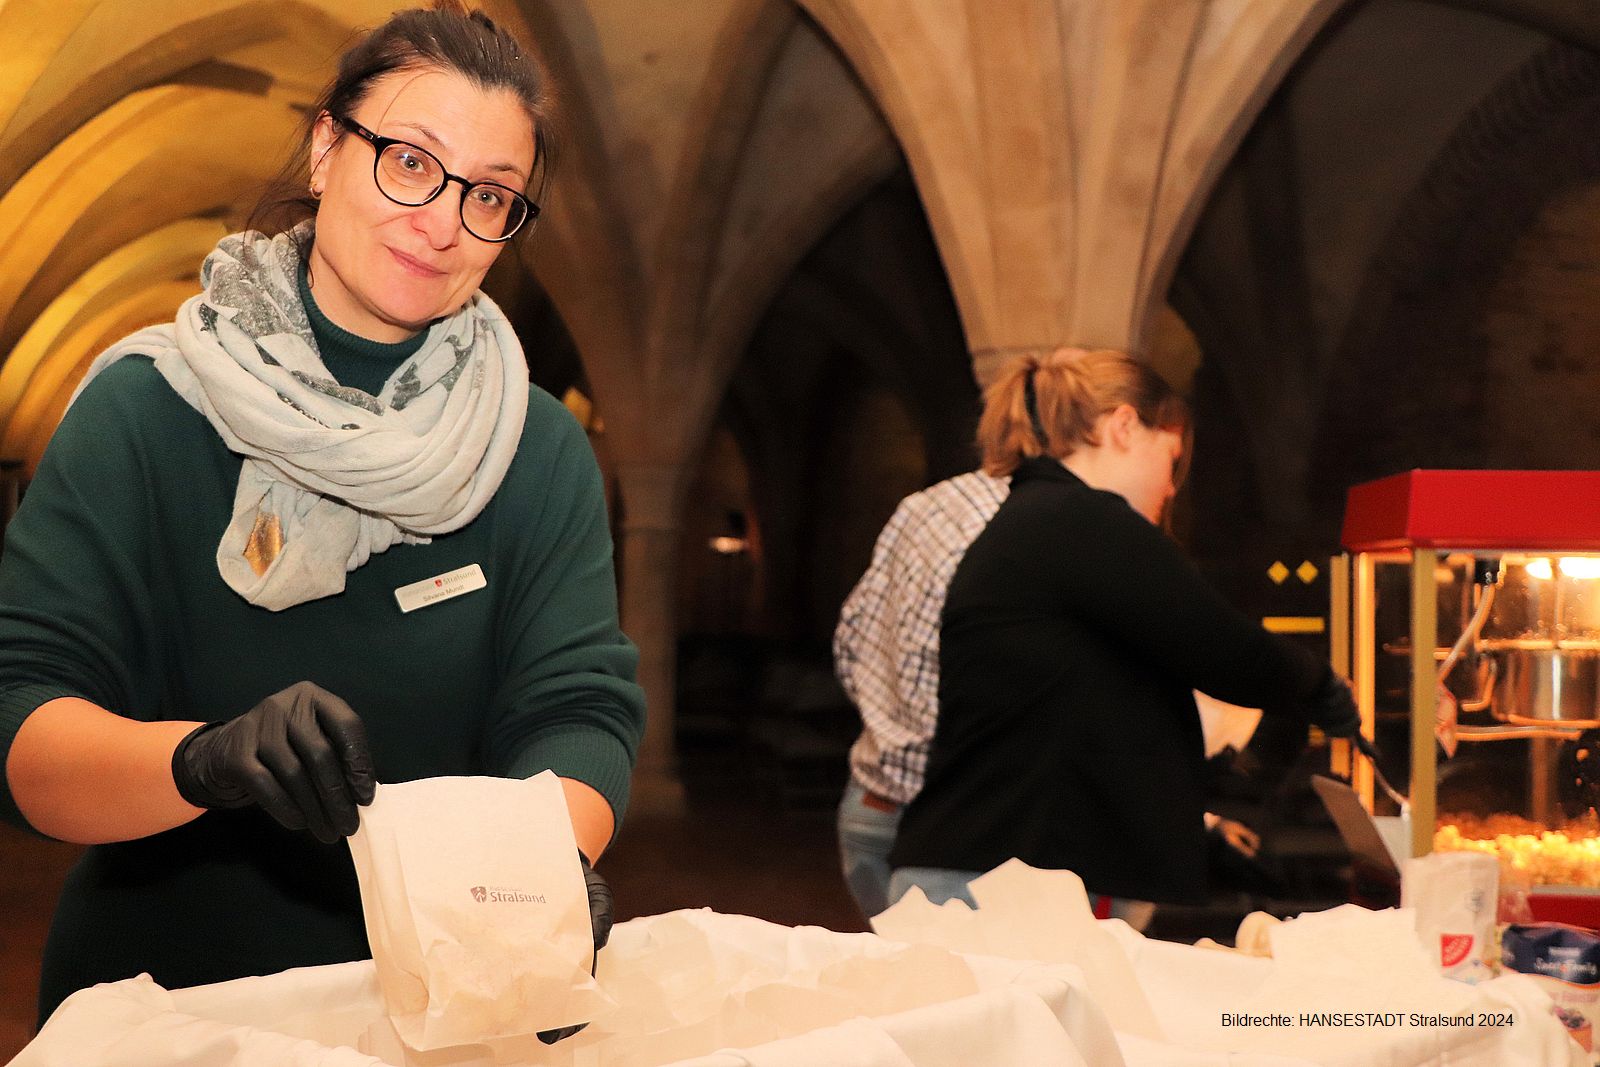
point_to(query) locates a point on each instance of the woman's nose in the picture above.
(439, 220)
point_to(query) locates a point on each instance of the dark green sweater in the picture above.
(109, 590)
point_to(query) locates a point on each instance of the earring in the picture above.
(316, 194)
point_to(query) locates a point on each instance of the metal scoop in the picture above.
(1365, 746)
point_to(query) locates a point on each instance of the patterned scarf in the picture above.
(331, 474)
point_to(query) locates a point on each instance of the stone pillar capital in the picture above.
(988, 362)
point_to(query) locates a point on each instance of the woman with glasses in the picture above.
(317, 533)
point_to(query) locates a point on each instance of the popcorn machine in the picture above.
(1466, 613)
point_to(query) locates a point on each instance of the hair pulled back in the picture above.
(447, 36)
(1072, 388)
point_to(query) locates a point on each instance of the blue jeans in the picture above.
(866, 835)
(940, 884)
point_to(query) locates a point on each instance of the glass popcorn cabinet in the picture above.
(1466, 613)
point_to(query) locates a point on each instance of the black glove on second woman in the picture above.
(301, 755)
(1333, 707)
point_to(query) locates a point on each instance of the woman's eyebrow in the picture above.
(438, 142)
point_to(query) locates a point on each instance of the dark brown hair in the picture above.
(1049, 405)
(446, 36)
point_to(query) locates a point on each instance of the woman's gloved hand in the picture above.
(600, 921)
(600, 913)
(301, 755)
(1333, 707)
(1240, 837)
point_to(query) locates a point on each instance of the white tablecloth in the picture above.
(695, 989)
(1028, 980)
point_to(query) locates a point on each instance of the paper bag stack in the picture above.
(476, 910)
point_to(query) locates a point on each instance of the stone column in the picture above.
(1063, 149)
(651, 527)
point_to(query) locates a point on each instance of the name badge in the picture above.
(456, 583)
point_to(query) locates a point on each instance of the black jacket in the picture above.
(1073, 634)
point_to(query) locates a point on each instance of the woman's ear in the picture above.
(1121, 425)
(324, 135)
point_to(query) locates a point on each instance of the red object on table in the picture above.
(1576, 906)
(1528, 510)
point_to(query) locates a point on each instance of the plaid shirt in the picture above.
(886, 646)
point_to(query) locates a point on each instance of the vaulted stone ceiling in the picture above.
(706, 146)
(1062, 150)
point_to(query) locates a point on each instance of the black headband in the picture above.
(1031, 400)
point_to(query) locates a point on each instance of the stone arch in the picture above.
(729, 242)
(749, 45)
(44, 401)
(858, 313)
(1289, 233)
(1235, 75)
(697, 206)
(169, 44)
(1575, 23)
(65, 332)
(583, 254)
(32, 44)
(793, 233)
(897, 78)
(1414, 318)
(131, 169)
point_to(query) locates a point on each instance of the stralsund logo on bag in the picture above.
(499, 894)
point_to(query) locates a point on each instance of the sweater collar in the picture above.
(1044, 469)
(336, 344)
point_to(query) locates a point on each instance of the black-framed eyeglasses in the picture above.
(414, 176)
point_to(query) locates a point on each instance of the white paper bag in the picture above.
(476, 909)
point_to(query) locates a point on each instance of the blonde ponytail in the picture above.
(1049, 405)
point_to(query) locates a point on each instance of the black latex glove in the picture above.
(600, 920)
(301, 755)
(600, 914)
(1333, 707)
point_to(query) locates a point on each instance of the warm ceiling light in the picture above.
(1540, 569)
(1581, 566)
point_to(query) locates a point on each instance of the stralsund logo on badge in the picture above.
(479, 893)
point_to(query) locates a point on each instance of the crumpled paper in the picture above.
(1031, 914)
(1333, 975)
(695, 989)
(691, 981)
(136, 1023)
